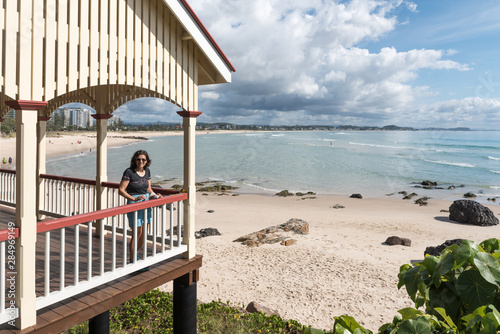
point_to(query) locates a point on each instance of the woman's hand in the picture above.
(140, 198)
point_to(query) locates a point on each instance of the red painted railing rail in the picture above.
(12, 232)
(7, 171)
(68, 179)
(102, 214)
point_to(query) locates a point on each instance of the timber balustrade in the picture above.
(71, 259)
(7, 187)
(83, 248)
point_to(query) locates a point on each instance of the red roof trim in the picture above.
(210, 38)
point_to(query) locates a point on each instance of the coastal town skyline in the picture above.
(420, 64)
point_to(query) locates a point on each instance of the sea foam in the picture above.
(458, 164)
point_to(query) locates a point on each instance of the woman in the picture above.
(135, 186)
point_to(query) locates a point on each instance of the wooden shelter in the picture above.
(103, 54)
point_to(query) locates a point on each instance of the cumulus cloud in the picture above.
(307, 62)
(300, 61)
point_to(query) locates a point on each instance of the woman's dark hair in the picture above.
(133, 164)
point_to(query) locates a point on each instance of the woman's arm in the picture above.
(151, 192)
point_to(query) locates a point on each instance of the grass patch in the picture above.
(152, 312)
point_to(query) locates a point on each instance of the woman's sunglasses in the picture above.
(139, 159)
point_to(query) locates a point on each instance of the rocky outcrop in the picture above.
(206, 232)
(436, 251)
(394, 240)
(472, 213)
(356, 196)
(469, 195)
(275, 234)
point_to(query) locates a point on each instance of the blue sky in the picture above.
(360, 62)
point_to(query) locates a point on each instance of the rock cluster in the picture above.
(356, 196)
(286, 193)
(270, 235)
(473, 213)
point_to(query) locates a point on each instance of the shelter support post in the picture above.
(189, 125)
(1, 133)
(26, 143)
(41, 163)
(185, 303)
(102, 165)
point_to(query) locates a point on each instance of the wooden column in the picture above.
(189, 124)
(41, 163)
(26, 142)
(102, 162)
(1, 134)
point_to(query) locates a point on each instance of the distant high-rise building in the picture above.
(79, 117)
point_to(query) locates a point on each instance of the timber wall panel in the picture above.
(62, 42)
(83, 67)
(73, 36)
(94, 42)
(11, 33)
(65, 49)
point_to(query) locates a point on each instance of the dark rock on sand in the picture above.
(436, 251)
(394, 240)
(469, 195)
(256, 307)
(472, 213)
(410, 196)
(284, 193)
(206, 232)
(422, 201)
(337, 206)
(356, 196)
(210, 211)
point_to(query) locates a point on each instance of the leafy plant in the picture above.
(456, 284)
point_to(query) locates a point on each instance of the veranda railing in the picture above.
(87, 261)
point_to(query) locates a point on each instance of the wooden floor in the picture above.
(77, 309)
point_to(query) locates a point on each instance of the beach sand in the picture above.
(341, 267)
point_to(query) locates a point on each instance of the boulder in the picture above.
(256, 307)
(270, 235)
(394, 240)
(206, 232)
(469, 195)
(356, 196)
(472, 213)
(436, 251)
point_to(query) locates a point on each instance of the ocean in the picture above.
(371, 163)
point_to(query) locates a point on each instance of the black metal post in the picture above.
(185, 313)
(99, 324)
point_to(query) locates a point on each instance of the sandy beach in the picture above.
(341, 267)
